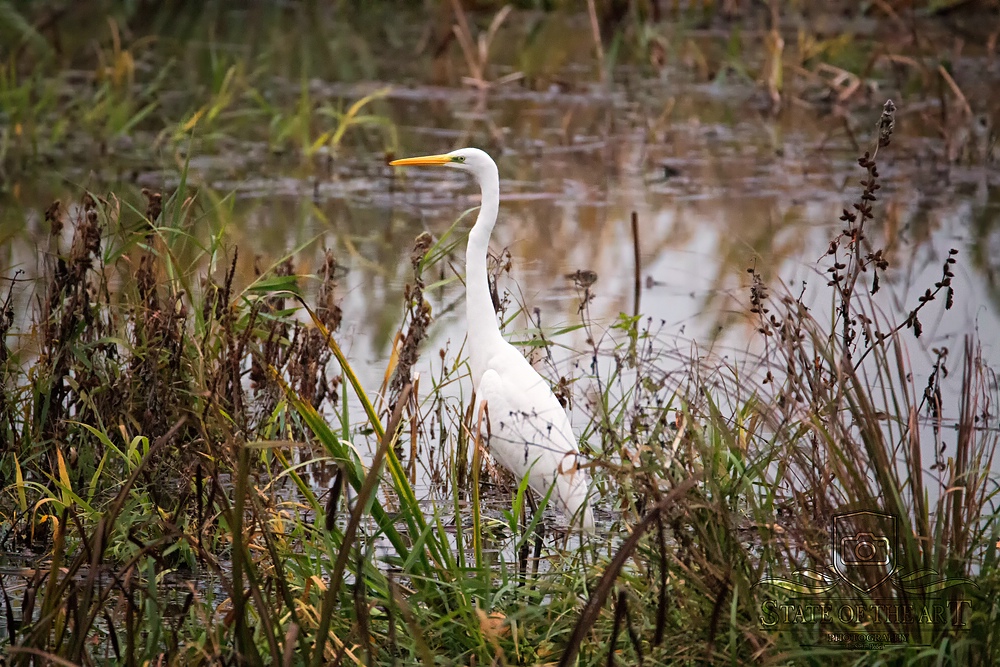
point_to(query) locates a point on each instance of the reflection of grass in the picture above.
(184, 459)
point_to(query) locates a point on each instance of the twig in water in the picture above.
(638, 264)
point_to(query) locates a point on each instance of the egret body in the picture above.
(529, 431)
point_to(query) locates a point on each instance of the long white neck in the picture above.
(484, 333)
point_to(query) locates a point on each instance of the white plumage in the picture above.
(529, 431)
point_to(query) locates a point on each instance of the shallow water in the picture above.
(717, 181)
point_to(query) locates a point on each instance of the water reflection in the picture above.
(711, 198)
(717, 185)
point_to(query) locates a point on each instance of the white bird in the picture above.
(529, 431)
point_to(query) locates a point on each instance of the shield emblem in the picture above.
(864, 546)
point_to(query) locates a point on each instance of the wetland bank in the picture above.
(235, 419)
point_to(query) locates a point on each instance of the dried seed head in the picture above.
(886, 123)
(54, 216)
(420, 247)
(154, 204)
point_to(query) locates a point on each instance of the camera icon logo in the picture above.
(865, 549)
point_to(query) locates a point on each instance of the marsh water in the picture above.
(688, 142)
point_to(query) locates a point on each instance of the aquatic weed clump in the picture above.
(126, 403)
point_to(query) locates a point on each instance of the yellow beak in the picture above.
(427, 160)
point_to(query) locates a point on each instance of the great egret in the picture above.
(529, 431)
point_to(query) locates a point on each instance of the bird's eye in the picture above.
(458, 158)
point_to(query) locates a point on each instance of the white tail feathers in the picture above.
(585, 519)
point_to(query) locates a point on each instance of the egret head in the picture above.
(467, 159)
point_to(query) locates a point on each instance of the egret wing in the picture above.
(530, 433)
